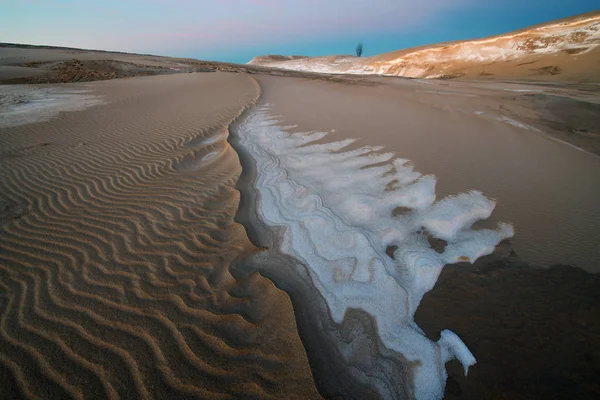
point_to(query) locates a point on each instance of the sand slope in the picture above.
(21, 63)
(469, 135)
(123, 274)
(558, 50)
(533, 330)
(116, 241)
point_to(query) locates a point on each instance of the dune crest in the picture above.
(565, 47)
(361, 223)
(116, 241)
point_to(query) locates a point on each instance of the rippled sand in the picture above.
(123, 273)
(116, 245)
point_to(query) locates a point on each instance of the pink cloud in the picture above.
(145, 25)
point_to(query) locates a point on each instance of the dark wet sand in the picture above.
(535, 332)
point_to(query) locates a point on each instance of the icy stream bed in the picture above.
(363, 222)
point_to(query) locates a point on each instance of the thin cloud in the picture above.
(159, 25)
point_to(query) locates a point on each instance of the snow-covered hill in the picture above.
(560, 47)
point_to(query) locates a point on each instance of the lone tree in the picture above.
(359, 49)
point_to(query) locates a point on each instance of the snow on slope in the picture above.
(338, 211)
(574, 37)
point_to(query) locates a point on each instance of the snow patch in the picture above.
(504, 118)
(24, 104)
(523, 90)
(340, 210)
(450, 93)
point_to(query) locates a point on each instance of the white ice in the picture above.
(23, 104)
(337, 210)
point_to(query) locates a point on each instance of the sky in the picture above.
(237, 30)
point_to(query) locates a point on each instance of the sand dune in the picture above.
(124, 275)
(558, 50)
(287, 195)
(21, 63)
(115, 251)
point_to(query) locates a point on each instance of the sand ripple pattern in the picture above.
(116, 239)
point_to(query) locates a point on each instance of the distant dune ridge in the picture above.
(565, 49)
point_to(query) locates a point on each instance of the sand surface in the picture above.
(123, 273)
(533, 330)
(44, 64)
(469, 137)
(116, 241)
(559, 51)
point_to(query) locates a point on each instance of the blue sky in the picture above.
(237, 30)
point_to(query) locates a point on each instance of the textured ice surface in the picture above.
(23, 104)
(340, 211)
